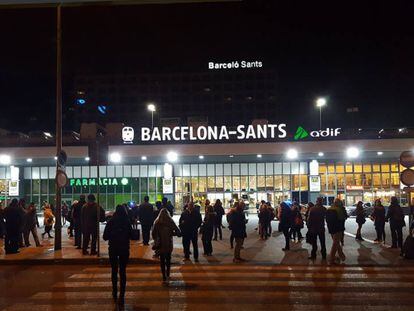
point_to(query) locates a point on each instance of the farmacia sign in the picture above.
(98, 181)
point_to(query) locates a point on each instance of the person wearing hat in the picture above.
(77, 220)
(89, 221)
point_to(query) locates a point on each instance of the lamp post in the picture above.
(152, 108)
(320, 102)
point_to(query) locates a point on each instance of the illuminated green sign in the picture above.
(75, 182)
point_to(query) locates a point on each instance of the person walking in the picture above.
(238, 228)
(378, 216)
(285, 222)
(146, 217)
(207, 229)
(335, 228)
(189, 224)
(163, 231)
(316, 227)
(360, 219)
(296, 223)
(342, 216)
(49, 220)
(229, 215)
(77, 220)
(395, 216)
(30, 225)
(89, 220)
(13, 216)
(118, 232)
(218, 223)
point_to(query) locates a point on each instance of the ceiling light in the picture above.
(352, 152)
(259, 155)
(5, 159)
(144, 158)
(292, 154)
(380, 153)
(320, 154)
(87, 159)
(115, 157)
(29, 160)
(201, 157)
(172, 156)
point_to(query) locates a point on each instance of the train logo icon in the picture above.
(128, 135)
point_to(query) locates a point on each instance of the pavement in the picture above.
(256, 251)
(210, 287)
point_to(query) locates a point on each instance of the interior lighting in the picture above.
(144, 158)
(5, 159)
(115, 157)
(292, 154)
(320, 154)
(352, 152)
(172, 156)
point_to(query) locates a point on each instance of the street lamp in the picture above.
(320, 102)
(152, 108)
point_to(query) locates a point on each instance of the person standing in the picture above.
(77, 220)
(65, 211)
(296, 223)
(316, 227)
(167, 204)
(163, 231)
(272, 216)
(335, 228)
(238, 228)
(360, 219)
(30, 225)
(218, 223)
(146, 217)
(189, 224)
(49, 220)
(285, 222)
(89, 220)
(378, 216)
(342, 216)
(22, 206)
(395, 216)
(229, 215)
(118, 232)
(264, 220)
(207, 229)
(13, 216)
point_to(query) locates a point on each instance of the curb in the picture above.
(70, 261)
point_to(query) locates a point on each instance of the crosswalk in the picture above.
(234, 287)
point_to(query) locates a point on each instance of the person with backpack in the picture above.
(163, 231)
(118, 233)
(360, 220)
(378, 216)
(296, 223)
(395, 216)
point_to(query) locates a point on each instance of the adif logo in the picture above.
(301, 133)
(128, 135)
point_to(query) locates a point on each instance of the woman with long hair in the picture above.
(360, 220)
(162, 232)
(118, 233)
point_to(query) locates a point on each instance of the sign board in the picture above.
(79, 182)
(407, 159)
(61, 179)
(167, 186)
(14, 188)
(354, 188)
(242, 64)
(314, 183)
(407, 177)
(222, 133)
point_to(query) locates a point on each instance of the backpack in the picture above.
(408, 248)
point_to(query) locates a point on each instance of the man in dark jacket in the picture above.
(395, 216)
(189, 223)
(316, 227)
(89, 219)
(238, 229)
(13, 215)
(77, 220)
(285, 222)
(335, 228)
(146, 217)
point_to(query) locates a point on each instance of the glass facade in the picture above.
(250, 182)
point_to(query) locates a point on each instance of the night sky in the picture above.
(358, 54)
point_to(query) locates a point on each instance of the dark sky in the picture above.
(358, 53)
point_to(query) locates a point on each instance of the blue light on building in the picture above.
(80, 101)
(102, 109)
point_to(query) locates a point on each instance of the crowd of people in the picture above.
(18, 221)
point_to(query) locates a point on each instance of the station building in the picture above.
(298, 167)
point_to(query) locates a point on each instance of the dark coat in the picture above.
(395, 216)
(118, 233)
(316, 219)
(89, 216)
(190, 222)
(333, 221)
(360, 216)
(208, 226)
(379, 216)
(285, 216)
(238, 224)
(14, 219)
(77, 211)
(146, 214)
(163, 233)
(219, 210)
